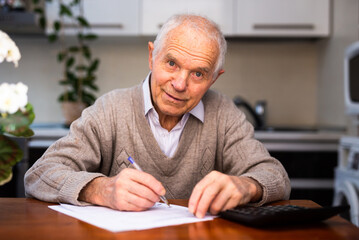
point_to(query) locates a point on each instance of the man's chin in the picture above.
(172, 112)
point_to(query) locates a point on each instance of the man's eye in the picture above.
(171, 63)
(198, 74)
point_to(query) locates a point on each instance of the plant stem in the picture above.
(64, 49)
(81, 59)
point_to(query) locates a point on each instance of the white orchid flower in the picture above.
(21, 92)
(8, 49)
(12, 97)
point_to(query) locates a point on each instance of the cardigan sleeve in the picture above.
(71, 162)
(243, 155)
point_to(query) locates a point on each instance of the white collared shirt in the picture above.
(167, 140)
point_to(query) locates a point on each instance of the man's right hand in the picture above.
(130, 190)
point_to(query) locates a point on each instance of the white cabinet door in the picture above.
(282, 18)
(113, 17)
(156, 12)
(108, 17)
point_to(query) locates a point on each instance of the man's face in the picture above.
(182, 71)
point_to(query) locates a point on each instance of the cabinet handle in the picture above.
(284, 26)
(97, 25)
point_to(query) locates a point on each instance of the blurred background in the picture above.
(285, 56)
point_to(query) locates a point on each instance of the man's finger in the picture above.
(147, 180)
(203, 194)
(209, 194)
(138, 203)
(220, 202)
(196, 196)
(142, 191)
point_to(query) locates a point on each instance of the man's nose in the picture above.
(179, 83)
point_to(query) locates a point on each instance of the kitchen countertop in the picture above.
(283, 140)
(300, 141)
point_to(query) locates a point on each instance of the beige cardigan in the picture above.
(115, 127)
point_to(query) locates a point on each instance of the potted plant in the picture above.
(16, 113)
(79, 66)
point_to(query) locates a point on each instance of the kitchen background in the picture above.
(300, 78)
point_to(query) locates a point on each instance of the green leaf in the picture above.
(38, 10)
(64, 82)
(35, 1)
(90, 36)
(7, 173)
(10, 154)
(70, 62)
(83, 22)
(52, 37)
(17, 124)
(71, 76)
(86, 52)
(88, 98)
(26, 132)
(80, 36)
(61, 56)
(75, 2)
(92, 86)
(67, 96)
(93, 66)
(89, 79)
(74, 49)
(57, 26)
(42, 22)
(64, 10)
(30, 112)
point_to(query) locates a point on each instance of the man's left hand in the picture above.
(218, 192)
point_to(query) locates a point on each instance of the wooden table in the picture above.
(22, 218)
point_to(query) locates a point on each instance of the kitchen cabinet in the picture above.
(107, 18)
(155, 12)
(282, 18)
(236, 18)
(117, 17)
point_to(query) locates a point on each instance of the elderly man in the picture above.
(191, 142)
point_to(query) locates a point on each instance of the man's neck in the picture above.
(166, 121)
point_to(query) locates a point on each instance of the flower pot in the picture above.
(72, 111)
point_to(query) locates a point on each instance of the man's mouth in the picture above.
(175, 98)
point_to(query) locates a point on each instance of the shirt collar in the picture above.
(197, 111)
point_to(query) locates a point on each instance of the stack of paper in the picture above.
(159, 215)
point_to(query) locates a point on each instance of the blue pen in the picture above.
(163, 198)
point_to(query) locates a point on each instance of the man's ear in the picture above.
(150, 54)
(219, 74)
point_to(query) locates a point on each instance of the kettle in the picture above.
(258, 113)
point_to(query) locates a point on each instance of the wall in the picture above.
(331, 109)
(282, 72)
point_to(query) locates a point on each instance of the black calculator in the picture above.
(266, 216)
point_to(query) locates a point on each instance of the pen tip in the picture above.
(166, 201)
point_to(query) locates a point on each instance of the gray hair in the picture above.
(198, 23)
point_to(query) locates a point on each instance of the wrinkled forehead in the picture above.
(194, 39)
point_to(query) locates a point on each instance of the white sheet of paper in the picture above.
(159, 215)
